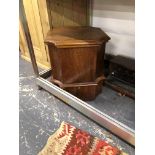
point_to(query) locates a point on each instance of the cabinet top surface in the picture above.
(82, 35)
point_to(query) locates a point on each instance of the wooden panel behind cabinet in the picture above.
(80, 12)
(68, 13)
(36, 31)
(56, 12)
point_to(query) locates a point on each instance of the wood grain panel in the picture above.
(80, 12)
(45, 23)
(36, 31)
(68, 12)
(22, 41)
(56, 8)
(68, 16)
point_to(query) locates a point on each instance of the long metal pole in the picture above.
(28, 37)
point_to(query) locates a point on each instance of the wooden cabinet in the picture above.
(43, 15)
(77, 57)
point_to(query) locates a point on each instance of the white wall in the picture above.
(116, 18)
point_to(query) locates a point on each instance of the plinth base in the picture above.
(86, 91)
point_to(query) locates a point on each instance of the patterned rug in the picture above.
(68, 140)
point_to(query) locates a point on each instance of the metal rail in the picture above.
(101, 118)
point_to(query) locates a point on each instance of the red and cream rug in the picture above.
(68, 140)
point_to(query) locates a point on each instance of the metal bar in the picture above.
(28, 37)
(101, 118)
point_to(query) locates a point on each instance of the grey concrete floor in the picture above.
(121, 108)
(40, 115)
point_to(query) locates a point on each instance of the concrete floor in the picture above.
(121, 108)
(40, 115)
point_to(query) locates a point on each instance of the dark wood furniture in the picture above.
(123, 68)
(77, 56)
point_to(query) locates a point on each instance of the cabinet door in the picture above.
(36, 31)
